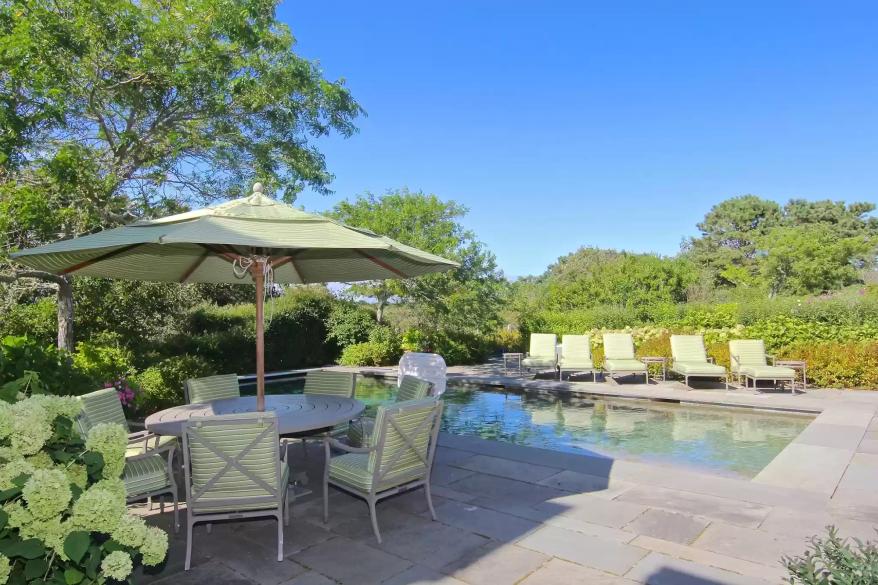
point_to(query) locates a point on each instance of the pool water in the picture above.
(726, 440)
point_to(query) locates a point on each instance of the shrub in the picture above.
(63, 516)
(838, 365)
(37, 320)
(161, 385)
(382, 349)
(102, 362)
(833, 560)
(349, 324)
(57, 372)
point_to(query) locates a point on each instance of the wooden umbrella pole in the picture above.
(259, 279)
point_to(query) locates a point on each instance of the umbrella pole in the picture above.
(259, 278)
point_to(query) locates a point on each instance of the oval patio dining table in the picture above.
(296, 413)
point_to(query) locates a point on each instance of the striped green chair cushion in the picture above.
(137, 448)
(204, 506)
(768, 372)
(251, 441)
(624, 365)
(352, 470)
(746, 352)
(412, 388)
(698, 369)
(618, 346)
(331, 382)
(397, 457)
(688, 348)
(101, 406)
(145, 475)
(576, 352)
(212, 388)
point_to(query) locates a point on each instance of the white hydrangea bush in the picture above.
(63, 515)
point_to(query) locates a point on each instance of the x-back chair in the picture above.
(233, 469)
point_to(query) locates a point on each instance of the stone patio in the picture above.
(510, 514)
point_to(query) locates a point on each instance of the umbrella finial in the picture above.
(257, 188)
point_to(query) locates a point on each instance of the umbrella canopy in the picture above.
(239, 242)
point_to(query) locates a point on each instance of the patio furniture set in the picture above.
(236, 459)
(749, 360)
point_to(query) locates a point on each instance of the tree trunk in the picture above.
(65, 313)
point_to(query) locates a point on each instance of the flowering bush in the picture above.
(126, 392)
(63, 517)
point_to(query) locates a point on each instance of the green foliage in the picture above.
(834, 561)
(382, 349)
(63, 517)
(35, 319)
(57, 372)
(161, 385)
(838, 364)
(102, 362)
(349, 323)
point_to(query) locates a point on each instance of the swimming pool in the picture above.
(725, 440)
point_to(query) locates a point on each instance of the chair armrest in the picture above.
(711, 359)
(771, 357)
(330, 442)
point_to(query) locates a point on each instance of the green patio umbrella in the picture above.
(252, 240)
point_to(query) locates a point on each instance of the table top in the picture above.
(296, 413)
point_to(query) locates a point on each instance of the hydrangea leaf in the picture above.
(35, 568)
(76, 544)
(27, 549)
(73, 576)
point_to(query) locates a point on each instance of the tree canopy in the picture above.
(113, 110)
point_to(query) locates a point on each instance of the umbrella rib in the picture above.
(101, 258)
(227, 256)
(382, 264)
(195, 266)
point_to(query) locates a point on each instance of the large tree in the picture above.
(118, 109)
(459, 302)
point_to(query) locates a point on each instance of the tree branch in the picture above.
(38, 274)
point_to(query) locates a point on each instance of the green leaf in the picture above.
(111, 546)
(94, 560)
(27, 549)
(4, 517)
(35, 568)
(73, 576)
(76, 544)
(10, 493)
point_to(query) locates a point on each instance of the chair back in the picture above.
(618, 346)
(405, 442)
(212, 388)
(331, 382)
(688, 348)
(412, 388)
(543, 345)
(576, 347)
(232, 462)
(100, 406)
(747, 352)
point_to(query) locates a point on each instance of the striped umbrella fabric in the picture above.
(239, 242)
(198, 246)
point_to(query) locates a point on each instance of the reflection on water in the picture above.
(734, 441)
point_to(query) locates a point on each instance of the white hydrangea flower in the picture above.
(47, 493)
(132, 531)
(155, 546)
(117, 565)
(111, 441)
(98, 510)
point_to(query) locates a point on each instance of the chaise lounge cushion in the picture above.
(624, 365)
(699, 369)
(538, 362)
(768, 372)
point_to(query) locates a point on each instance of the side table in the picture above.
(655, 359)
(800, 365)
(515, 358)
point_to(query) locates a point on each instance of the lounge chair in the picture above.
(690, 359)
(619, 356)
(410, 388)
(148, 458)
(749, 362)
(543, 352)
(211, 388)
(576, 356)
(233, 469)
(399, 457)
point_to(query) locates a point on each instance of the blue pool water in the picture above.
(731, 441)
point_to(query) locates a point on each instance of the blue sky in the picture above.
(615, 124)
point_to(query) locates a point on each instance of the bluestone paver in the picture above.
(418, 575)
(214, 573)
(496, 564)
(724, 509)
(757, 546)
(672, 526)
(490, 523)
(588, 508)
(560, 572)
(607, 555)
(658, 569)
(351, 562)
(506, 468)
(572, 481)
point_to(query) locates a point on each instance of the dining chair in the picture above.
(398, 458)
(233, 469)
(410, 388)
(211, 388)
